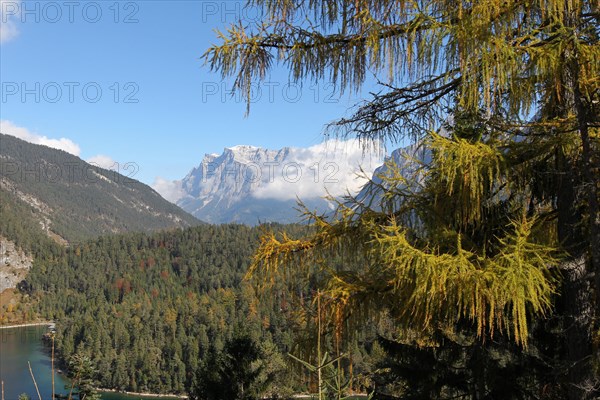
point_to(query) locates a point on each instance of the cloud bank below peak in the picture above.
(329, 168)
(169, 190)
(247, 184)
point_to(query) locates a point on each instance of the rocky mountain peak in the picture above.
(248, 184)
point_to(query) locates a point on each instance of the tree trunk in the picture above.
(589, 276)
(579, 313)
(576, 299)
(591, 184)
(580, 237)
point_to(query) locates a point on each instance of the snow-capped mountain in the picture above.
(248, 184)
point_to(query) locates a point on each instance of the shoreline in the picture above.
(140, 394)
(51, 324)
(166, 396)
(47, 323)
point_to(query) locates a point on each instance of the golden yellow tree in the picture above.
(472, 235)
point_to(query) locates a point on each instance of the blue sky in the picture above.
(124, 79)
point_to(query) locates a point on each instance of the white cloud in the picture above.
(8, 128)
(9, 12)
(169, 190)
(332, 167)
(102, 161)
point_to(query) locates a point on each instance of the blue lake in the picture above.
(20, 345)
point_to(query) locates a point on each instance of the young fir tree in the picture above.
(469, 240)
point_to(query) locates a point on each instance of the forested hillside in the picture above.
(52, 192)
(150, 309)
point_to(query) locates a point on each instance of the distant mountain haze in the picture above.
(408, 161)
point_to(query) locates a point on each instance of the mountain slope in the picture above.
(71, 200)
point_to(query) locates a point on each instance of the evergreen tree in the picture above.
(236, 372)
(139, 309)
(469, 243)
(84, 377)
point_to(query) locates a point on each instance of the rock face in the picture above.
(247, 184)
(14, 265)
(220, 189)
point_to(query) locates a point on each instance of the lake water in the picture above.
(19, 345)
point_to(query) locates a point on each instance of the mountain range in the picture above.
(69, 200)
(48, 195)
(247, 184)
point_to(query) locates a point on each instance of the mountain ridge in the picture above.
(71, 200)
(250, 184)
